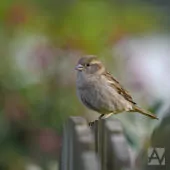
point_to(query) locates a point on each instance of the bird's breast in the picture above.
(97, 96)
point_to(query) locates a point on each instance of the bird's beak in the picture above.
(79, 67)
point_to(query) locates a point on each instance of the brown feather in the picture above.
(115, 84)
(144, 112)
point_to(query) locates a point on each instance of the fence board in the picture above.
(81, 146)
(78, 150)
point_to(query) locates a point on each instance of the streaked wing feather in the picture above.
(115, 84)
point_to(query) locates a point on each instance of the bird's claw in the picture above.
(92, 123)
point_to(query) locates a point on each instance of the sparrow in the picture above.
(98, 90)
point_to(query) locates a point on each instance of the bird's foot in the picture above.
(105, 116)
(92, 123)
(101, 116)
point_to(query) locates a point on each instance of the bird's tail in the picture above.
(144, 112)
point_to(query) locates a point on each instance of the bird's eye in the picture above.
(88, 65)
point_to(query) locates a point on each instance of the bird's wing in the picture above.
(116, 85)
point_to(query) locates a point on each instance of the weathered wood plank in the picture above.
(78, 152)
(111, 145)
(81, 146)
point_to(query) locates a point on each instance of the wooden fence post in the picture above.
(111, 145)
(78, 149)
(81, 147)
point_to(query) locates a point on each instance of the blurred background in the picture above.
(40, 43)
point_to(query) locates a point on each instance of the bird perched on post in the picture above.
(100, 91)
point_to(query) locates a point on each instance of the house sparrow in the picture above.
(100, 91)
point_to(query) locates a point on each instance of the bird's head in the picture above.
(89, 64)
